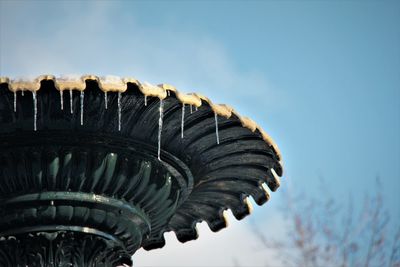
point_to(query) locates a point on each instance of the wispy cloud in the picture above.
(101, 38)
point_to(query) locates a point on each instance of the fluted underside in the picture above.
(242, 164)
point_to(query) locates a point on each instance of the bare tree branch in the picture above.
(323, 233)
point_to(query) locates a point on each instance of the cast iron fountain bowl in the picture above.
(116, 164)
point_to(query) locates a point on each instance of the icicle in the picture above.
(15, 101)
(119, 111)
(34, 110)
(216, 127)
(168, 92)
(160, 124)
(197, 108)
(183, 120)
(191, 109)
(105, 100)
(61, 100)
(145, 100)
(82, 97)
(70, 101)
(22, 93)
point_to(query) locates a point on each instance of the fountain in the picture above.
(94, 168)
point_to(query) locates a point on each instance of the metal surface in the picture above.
(93, 174)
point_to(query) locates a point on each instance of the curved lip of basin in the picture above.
(117, 84)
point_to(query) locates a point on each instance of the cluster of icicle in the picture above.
(119, 85)
(82, 96)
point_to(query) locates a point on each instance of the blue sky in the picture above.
(321, 77)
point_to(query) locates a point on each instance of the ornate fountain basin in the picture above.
(92, 169)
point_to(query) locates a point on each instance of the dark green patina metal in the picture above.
(91, 195)
(83, 186)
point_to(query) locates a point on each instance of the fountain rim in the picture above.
(111, 83)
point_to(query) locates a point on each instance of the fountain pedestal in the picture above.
(62, 249)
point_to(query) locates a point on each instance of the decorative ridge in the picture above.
(118, 84)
